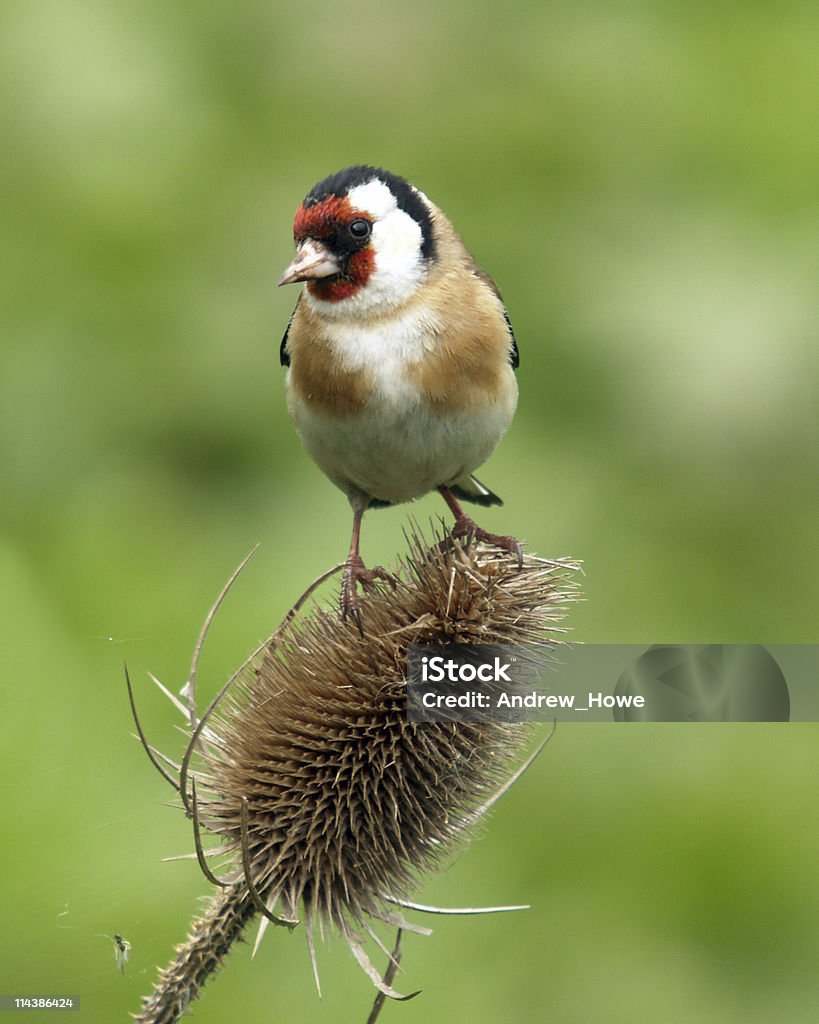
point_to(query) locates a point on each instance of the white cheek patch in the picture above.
(399, 267)
(397, 239)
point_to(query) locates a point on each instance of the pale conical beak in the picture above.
(313, 260)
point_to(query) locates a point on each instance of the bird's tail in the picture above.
(468, 488)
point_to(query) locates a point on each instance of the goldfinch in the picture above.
(400, 355)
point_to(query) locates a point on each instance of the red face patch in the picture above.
(360, 265)
(322, 220)
(327, 221)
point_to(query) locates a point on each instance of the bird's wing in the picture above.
(284, 355)
(514, 355)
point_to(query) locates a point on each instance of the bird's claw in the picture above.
(356, 572)
(466, 528)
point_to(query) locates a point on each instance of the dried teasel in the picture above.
(327, 804)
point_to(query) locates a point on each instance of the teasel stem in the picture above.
(199, 957)
(393, 964)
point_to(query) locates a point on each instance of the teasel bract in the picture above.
(327, 804)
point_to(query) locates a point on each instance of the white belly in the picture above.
(398, 449)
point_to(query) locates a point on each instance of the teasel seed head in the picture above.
(328, 804)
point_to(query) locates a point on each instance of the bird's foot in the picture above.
(356, 572)
(469, 530)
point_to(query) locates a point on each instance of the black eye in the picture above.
(360, 228)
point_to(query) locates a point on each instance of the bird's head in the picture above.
(364, 242)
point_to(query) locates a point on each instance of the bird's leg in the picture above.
(466, 527)
(355, 571)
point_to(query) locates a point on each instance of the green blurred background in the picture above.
(641, 180)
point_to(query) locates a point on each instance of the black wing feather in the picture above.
(514, 355)
(284, 355)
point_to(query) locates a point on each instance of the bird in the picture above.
(400, 356)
